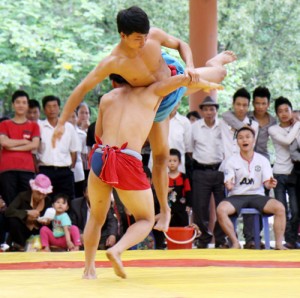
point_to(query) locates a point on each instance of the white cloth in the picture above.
(248, 176)
(282, 137)
(229, 141)
(60, 155)
(79, 169)
(206, 143)
(180, 137)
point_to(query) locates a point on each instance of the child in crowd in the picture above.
(179, 192)
(64, 234)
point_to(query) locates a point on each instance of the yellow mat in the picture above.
(199, 273)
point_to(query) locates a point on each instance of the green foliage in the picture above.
(265, 36)
(48, 47)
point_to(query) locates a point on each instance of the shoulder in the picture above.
(260, 158)
(157, 34)
(273, 128)
(182, 119)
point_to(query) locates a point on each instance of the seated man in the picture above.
(125, 118)
(80, 212)
(246, 174)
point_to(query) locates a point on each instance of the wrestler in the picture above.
(125, 118)
(138, 58)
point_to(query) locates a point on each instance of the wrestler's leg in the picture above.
(99, 195)
(140, 204)
(158, 138)
(214, 70)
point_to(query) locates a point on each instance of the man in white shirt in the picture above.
(282, 135)
(207, 179)
(180, 135)
(246, 175)
(241, 102)
(56, 163)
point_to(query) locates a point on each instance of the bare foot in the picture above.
(116, 262)
(222, 59)
(163, 221)
(89, 273)
(45, 249)
(280, 247)
(236, 245)
(75, 248)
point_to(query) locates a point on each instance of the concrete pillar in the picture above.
(203, 39)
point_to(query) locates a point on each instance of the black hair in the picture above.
(33, 103)
(243, 92)
(19, 93)
(245, 128)
(133, 19)
(63, 196)
(282, 101)
(99, 98)
(117, 78)
(176, 153)
(261, 92)
(193, 113)
(49, 98)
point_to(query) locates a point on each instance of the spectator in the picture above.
(25, 209)
(282, 135)
(2, 220)
(18, 137)
(83, 112)
(34, 111)
(193, 116)
(207, 179)
(179, 192)
(80, 212)
(261, 104)
(79, 176)
(64, 234)
(241, 101)
(240, 104)
(246, 174)
(180, 135)
(90, 138)
(56, 162)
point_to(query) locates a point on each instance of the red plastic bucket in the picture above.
(180, 237)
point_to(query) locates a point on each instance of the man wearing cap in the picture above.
(207, 180)
(26, 208)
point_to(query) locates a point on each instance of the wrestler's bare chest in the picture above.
(143, 69)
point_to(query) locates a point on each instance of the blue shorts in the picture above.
(171, 100)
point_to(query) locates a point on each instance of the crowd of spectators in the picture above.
(35, 176)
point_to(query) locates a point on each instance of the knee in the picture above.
(160, 159)
(44, 230)
(221, 211)
(279, 209)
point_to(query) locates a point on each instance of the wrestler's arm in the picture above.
(97, 75)
(167, 86)
(182, 47)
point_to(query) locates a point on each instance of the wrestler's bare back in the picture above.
(126, 115)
